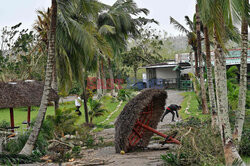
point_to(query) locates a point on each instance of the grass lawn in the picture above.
(107, 124)
(194, 110)
(20, 114)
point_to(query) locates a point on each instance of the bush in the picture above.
(245, 143)
(4, 124)
(124, 95)
(76, 88)
(64, 121)
(11, 159)
(16, 145)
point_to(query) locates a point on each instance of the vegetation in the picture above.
(77, 39)
(200, 145)
(193, 118)
(95, 109)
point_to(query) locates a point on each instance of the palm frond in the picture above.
(178, 26)
(189, 23)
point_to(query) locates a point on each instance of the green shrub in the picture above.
(171, 159)
(4, 124)
(15, 146)
(245, 143)
(64, 121)
(76, 88)
(124, 95)
(89, 141)
(11, 159)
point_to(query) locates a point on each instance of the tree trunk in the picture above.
(98, 81)
(202, 82)
(85, 100)
(191, 61)
(240, 114)
(91, 120)
(196, 62)
(210, 80)
(27, 149)
(111, 76)
(104, 83)
(135, 74)
(230, 151)
(54, 84)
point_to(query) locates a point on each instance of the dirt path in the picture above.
(149, 156)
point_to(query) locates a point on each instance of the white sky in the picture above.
(15, 11)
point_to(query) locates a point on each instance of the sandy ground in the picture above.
(146, 157)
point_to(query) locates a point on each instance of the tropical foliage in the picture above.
(96, 109)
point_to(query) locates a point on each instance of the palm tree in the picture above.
(199, 54)
(191, 35)
(27, 149)
(42, 26)
(117, 24)
(210, 79)
(221, 13)
(240, 115)
(95, 109)
(77, 23)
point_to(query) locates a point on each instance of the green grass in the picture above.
(246, 159)
(100, 127)
(20, 114)
(193, 107)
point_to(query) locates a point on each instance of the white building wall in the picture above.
(165, 73)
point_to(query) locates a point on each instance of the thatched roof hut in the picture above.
(126, 120)
(23, 94)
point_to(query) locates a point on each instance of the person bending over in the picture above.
(170, 109)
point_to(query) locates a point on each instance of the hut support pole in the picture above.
(169, 138)
(28, 118)
(12, 119)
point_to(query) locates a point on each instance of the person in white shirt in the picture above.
(78, 104)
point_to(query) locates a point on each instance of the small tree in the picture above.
(95, 109)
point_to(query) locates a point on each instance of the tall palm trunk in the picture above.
(111, 76)
(98, 81)
(54, 84)
(243, 83)
(230, 151)
(27, 149)
(196, 62)
(85, 99)
(103, 74)
(191, 61)
(202, 82)
(210, 79)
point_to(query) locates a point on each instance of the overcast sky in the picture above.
(15, 11)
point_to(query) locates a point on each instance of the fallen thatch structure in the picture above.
(126, 120)
(23, 94)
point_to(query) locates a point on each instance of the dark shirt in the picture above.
(171, 108)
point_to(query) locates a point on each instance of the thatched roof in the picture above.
(23, 93)
(131, 112)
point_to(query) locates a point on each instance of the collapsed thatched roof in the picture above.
(131, 112)
(23, 93)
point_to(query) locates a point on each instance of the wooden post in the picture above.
(12, 119)
(28, 118)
